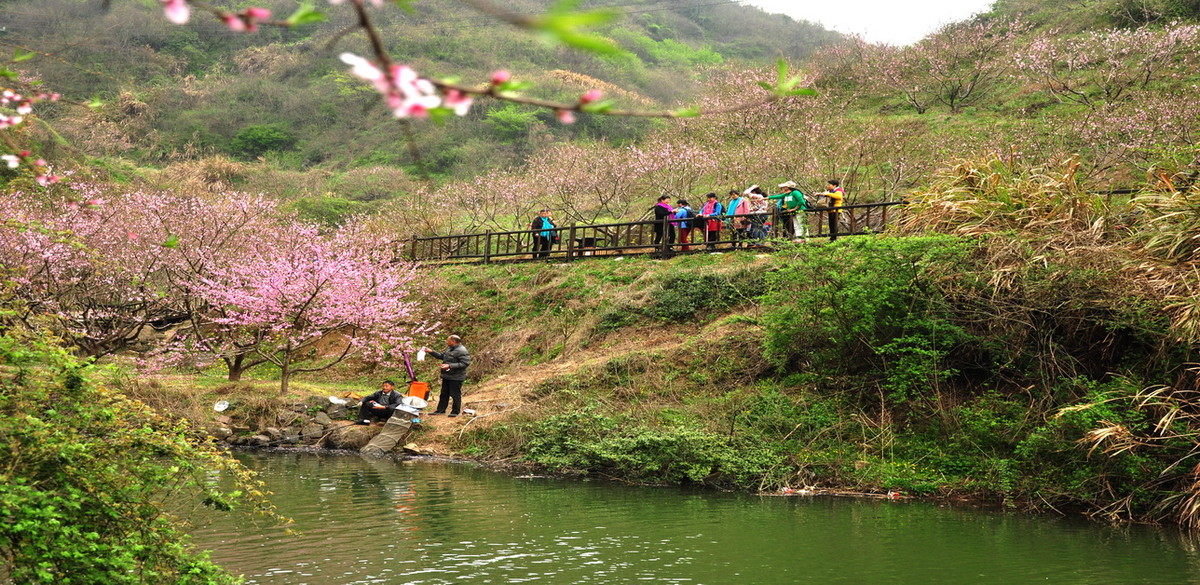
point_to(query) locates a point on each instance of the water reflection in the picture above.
(370, 521)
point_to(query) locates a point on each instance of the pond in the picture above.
(381, 521)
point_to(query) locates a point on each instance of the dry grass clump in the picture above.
(1172, 415)
(982, 197)
(214, 174)
(267, 60)
(586, 82)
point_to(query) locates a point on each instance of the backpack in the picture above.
(817, 201)
(691, 217)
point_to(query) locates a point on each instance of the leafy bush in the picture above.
(869, 307)
(326, 210)
(257, 140)
(82, 493)
(588, 441)
(685, 295)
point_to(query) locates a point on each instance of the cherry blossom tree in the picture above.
(96, 268)
(966, 61)
(1108, 66)
(314, 301)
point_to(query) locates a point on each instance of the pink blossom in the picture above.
(459, 102)
(500, 77)
(234, 22)
(177, 11)
(13, 161)
(246, 20)
(407, 94)
(565, 116)
(591, 96)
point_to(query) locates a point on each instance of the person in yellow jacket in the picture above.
(837, 198)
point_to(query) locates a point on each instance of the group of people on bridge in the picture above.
(746, 215)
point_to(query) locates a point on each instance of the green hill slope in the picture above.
(184, 92)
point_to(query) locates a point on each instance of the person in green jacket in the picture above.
(791, 200)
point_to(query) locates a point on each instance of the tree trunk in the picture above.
(235, 367)
(285, 370)
(285, 376)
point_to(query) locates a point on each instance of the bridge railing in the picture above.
(662, 237)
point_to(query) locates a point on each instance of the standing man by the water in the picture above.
(455, 360)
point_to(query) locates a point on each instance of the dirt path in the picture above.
(499, 397)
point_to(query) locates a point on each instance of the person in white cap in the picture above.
(759, 208)
(791, 201)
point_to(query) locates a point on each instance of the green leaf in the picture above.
(564, 24)
(513, 86)
(687, 112)
(95, 103)
(305, 14)
(599, 107)
(440, 114)
(20, 55)
(585, 42)
(9, 73)
(172, 242)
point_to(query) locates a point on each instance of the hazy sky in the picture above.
(897, 22)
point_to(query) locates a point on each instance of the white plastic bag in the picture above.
(420, 355)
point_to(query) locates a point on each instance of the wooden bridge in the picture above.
(641, 237)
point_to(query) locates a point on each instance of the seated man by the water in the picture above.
(380, 405)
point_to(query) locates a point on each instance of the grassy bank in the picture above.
(991, 365)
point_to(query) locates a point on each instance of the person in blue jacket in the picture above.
(684, 212)
(545, 234)
(739, 221)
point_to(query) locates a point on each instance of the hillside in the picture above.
(1074, 17)
(178, 93)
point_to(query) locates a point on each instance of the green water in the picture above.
(367, 521)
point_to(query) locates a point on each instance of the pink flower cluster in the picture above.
(23, 105)
(246, 20)
(408, 95)
(39, 166)
(243, 279)
(179, 12)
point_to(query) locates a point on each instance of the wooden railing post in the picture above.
(487, 247)
(412, 249)
(571, 243)
(665, 241)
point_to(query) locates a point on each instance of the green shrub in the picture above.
(684, 296)
(617, 445)
(869, 307)
(88, 471)
(326, 210)
(255, 141)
